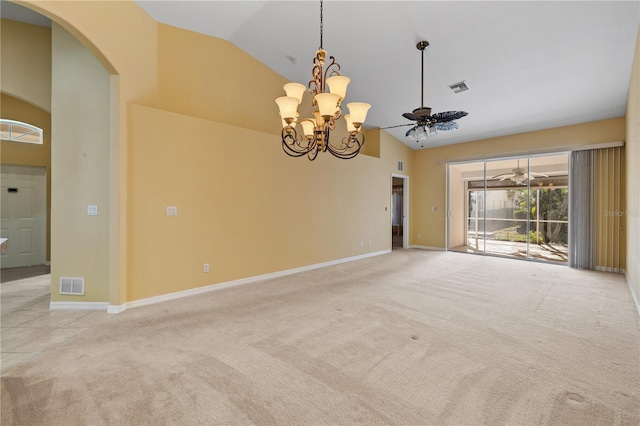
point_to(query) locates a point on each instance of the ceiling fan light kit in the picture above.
(328, 89)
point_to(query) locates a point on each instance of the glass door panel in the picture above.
(516, 207)
(475, 220)
(508, 207)
(550, 215)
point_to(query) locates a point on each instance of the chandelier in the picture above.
(327, 109)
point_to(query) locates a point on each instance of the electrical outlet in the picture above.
(92, 210)
(205, 267)
(361, 244)
(419, 236)
(172, 211)
(369, 242)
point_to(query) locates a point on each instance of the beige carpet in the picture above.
(408, 338)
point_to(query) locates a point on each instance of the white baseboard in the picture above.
(78, 306)
(634, 296)
(427, 248)
(607, 269)
(115, 309)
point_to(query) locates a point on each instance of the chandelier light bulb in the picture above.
(308, 127)
(350, 126)
(288, 108)
(327, 104)
(338, 85)
(358, 111)
(295, 90)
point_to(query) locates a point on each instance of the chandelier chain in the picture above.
(321, 24)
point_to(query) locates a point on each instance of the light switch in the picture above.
(92, 210)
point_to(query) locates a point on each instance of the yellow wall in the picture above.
(244, 206)
(210, 78)
(128, 51)
(80, 164)
(428, 227)
(632, 153)
(26, 62)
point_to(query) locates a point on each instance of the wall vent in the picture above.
(461, 86)
(72, 285)
(400, 166)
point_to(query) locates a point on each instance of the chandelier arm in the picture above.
(316, 83)
(332, 69)
(291, 143)
(348, 148)
(312, 154)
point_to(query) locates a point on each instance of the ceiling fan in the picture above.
(427, 124)
(518, 175)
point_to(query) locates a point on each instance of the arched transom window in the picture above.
(16, 131)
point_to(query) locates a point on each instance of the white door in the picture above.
(23, 212)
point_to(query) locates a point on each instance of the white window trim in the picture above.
(31, 127)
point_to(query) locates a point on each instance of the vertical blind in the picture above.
(581, 209)
(610, 209)
(596, 216)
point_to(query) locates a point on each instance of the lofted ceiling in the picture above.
(530, 64)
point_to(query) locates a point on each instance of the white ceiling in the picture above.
(530, 64)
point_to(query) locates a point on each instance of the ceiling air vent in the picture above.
(461, 86)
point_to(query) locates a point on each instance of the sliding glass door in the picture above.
(515, 207)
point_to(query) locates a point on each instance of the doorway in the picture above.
(23, 209)
(399, 211)
(514, 207)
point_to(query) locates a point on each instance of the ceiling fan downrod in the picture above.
(422, 112)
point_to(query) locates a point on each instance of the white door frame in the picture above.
(405, 209)
(39, 243)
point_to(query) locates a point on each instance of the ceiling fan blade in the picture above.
(538, 174)
(451, 125)
(501, 174)
(507, 177)
(410, 116)
(443, 117)
(409, 131)
(399, 125)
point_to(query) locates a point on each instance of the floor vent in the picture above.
(72, 285)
